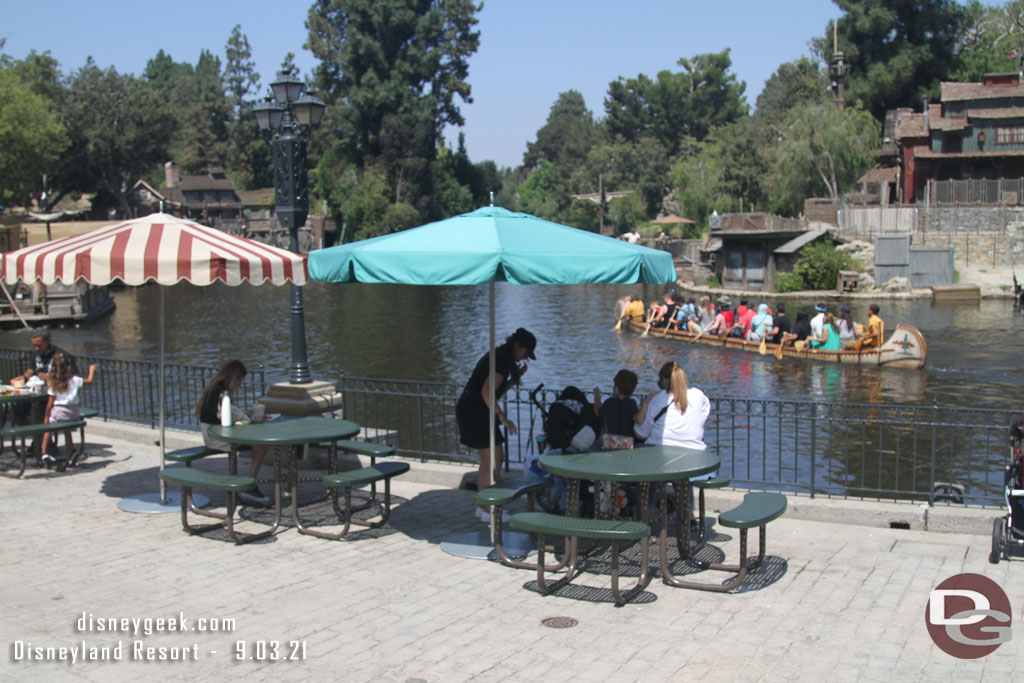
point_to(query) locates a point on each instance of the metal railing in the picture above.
(129, 389)
(878, 451)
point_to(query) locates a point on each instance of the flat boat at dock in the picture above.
(905, 347)
(74, 303)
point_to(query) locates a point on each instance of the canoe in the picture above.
(905, 347)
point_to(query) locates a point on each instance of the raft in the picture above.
(905, 347)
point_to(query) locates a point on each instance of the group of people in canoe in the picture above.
(824, 330)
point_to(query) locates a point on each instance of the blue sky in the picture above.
(530, 50)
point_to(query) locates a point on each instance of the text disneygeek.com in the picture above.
(138, 650)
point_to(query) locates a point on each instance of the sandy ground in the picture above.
(991, 281)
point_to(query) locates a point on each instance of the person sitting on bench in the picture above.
(229, 378)
(63, 385)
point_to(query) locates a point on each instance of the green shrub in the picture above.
(819, 266)
(789, 282)
(714, 282)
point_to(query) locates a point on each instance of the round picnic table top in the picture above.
(23, 397)
(644, 463)
(289, 432)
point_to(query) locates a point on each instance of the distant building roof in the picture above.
(263, 196)
(215, 178)
(961, 92)
(879, 174)
(800, 241)
(996, 113)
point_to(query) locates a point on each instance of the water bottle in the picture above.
(542, 443)
(225, 410)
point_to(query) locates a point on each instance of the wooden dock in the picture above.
(956, 292)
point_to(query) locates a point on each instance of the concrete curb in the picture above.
(943, 517)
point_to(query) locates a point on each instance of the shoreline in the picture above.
(989, 281)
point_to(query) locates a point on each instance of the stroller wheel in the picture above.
(997, 540)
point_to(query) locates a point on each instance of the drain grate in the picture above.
(559, 622)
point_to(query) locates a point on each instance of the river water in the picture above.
(438, 333)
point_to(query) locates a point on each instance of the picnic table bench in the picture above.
(188, 477)
(574, 528)
(23, 433)
(383, 471)
(756, 510)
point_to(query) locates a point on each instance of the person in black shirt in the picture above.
(781, 324)
(473, 412)
(618, 412)
(44, 350)
(228, 379)
(801, 329)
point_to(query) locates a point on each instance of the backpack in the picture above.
(570, 412)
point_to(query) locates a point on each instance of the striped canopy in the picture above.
(155, 248)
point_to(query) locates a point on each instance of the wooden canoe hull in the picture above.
(905, 348)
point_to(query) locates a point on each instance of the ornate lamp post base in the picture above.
(309, 398)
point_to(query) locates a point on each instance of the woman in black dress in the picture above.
(472, 412)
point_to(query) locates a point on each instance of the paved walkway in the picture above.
(836, 602)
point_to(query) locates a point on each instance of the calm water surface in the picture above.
(438, 333)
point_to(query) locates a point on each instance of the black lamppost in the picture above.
(290, 117)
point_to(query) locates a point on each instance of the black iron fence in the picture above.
(128, 389)
(875, 451)
(878, 451)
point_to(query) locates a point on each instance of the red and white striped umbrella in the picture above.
(155, 248)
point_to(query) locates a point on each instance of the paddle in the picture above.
(618, 325)
(799, 344)
(647, 328)
(763, 347)
(778, 351)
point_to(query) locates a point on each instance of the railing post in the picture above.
(814, 449)
(931, 480)
(419, 410)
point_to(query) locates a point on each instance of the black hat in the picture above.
(526, 340)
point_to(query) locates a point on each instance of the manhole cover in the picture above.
(559, 622)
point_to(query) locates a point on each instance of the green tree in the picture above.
(395, 70)
(205, 119)
(566, 136)
(540, 194)
(248, 155)
(898, 50)
(793, 84)
(675, 106)
(990, 36)
(119, 128)
(821, 153)
(32, 137)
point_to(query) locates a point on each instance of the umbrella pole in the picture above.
(162, 402)
(493, 391)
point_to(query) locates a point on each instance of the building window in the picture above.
(1010, 136)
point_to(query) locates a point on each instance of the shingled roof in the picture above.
(960, 92)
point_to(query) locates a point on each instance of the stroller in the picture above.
(563, 421)
(1008, 531)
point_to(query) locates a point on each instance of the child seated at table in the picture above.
(62, 405)
(229, 378)
(618, 413)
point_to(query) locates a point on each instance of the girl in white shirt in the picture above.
(674, 416)
(62, 406)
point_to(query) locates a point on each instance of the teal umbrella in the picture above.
(488, 245)
(492, 244)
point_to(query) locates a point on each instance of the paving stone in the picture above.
(391, 606)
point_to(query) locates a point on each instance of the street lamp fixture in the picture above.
(290, 118)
